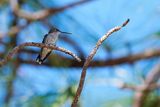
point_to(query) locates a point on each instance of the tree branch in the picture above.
(126, 86)
(142, 91)
(150, 53)
(149, 85)
(89, 59)
(41, 14)
(17, 48)
(14, 30)
(154, 75)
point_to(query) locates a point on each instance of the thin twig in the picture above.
(89, 59)
(17, 48)
(129, 87)
(41, 14)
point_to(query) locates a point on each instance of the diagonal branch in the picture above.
(17, 48)
(154, 75)
(41, 14)
(89, 59)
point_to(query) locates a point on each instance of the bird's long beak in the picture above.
(65, 32)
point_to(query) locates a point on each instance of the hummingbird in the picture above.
(51, 39)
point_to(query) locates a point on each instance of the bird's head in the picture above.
(55, 30)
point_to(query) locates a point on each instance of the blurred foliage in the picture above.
(3, 2)
(153, 100)
(40, 100)
(157, 34)
(51, 99)
(121, 102)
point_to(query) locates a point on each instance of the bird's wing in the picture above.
(44, 39)
(45, 36)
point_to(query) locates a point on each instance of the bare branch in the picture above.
(41, 14)
(126, 86)
(157, 85)
(10, 84)
(89, 59)
(142, 91)
(150, 53)
(154, 75)
(154, 86)
(14, 30)
(149, 85)
(17, 48)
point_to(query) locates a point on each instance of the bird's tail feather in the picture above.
(39, 60)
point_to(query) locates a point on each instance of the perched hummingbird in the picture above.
(50, 38)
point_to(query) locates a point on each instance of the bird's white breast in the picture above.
(52, 38)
